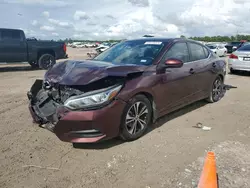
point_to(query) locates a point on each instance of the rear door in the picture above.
(202, 65)
(177, 83)
(12, 46)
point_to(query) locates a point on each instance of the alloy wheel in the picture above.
(217, 89)
(48, 62)
(136, 118)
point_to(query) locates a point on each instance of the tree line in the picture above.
(221, 38)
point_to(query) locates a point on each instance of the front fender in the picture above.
(142, 85)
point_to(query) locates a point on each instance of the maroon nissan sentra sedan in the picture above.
(125, 88)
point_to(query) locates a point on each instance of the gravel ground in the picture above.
(171, 155)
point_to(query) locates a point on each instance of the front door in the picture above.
(13, 47)
(177, 84)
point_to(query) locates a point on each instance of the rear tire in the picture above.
(136, 118)
(46, 61)
(232, 71)
(216, 91)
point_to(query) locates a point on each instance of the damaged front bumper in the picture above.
(74, 126)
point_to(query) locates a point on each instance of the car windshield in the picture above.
(211, 47)
(245, 48)
(138, 52)
(235, 43)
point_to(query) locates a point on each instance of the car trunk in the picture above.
(243, 56)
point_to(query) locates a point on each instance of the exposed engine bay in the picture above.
(46, 97)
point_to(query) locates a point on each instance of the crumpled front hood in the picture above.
(84, 72)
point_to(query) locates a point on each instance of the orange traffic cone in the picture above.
(208, 177)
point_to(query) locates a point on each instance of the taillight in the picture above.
(232, 56)
(64, 48)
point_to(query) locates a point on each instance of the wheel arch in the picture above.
(222, 77)
(222, 64)
(150, 97)
(45, 51)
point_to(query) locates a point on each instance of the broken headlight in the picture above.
(92, 99)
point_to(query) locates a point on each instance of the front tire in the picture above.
(136, 118)
(216, 91)
(46, 61)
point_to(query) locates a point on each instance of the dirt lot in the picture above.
(171, 155)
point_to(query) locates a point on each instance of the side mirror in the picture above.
(173, 63)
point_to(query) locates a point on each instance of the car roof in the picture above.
(152, 39)
(10, 29)
(162, 39)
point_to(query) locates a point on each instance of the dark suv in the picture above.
(125, 88)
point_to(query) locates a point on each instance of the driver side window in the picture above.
(178, 51)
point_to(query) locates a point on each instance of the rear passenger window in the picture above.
(10, 35)
(179, 51)
(197, 52)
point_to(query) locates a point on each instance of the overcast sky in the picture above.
(113, 19)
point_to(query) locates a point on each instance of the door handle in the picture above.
(214, 65)
(191, 71)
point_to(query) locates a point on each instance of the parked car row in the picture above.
(82, 45)
(230, 46)
(218, 49)
(239, 59)
(101, 48)
(89, 45)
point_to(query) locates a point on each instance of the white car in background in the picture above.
(220, 50)
(240, 59)
(101, 49)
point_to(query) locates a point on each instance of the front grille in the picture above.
(86, 133)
